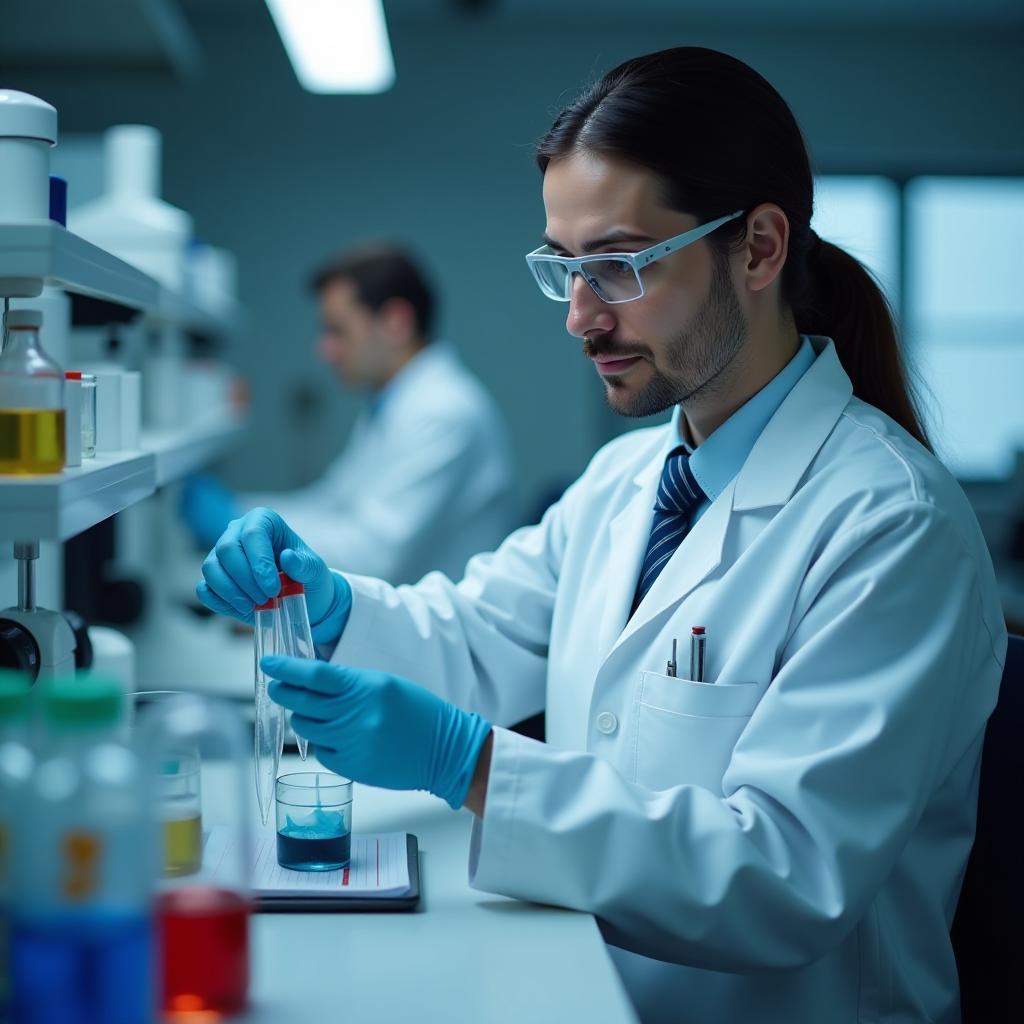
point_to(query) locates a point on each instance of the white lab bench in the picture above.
(463, 955)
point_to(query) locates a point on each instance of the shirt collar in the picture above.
(721, 456)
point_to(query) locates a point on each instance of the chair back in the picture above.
(988, 930)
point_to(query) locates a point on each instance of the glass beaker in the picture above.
(31, 400)
(179, 806)
(314, 821)
(203, 917)
(178, 792)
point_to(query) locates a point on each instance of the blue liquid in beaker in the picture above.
(324, 845)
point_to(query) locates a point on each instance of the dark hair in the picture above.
(720, 138)
(381, 272)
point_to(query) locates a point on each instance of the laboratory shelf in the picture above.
(179, 452)
(62, 259)
(59, 506)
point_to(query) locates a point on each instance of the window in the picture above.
(965, 318)
(861, 214)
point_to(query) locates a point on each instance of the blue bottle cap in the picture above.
(58, 200)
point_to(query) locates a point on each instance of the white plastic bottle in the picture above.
(130, 219)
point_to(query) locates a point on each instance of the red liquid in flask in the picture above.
(204, 935)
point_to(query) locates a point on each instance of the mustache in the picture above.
(602, 348)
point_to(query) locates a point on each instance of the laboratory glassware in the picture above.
(314, 821)
(296, 635)
(72, 418)
(87, 424)
(178, 789)
(16, 762)
(88, 415)
(268, 733)
(83, 868)
(204, 917)
(179, 803)
(31, 400)
(109, 413)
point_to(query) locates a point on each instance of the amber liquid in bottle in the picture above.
(31, 441)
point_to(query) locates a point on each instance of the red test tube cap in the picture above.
(72, 374)
(289, 586)
(697, 631)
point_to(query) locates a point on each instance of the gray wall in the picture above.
(444, 161)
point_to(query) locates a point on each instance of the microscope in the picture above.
(37, 641)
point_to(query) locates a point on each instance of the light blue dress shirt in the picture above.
(721, 456)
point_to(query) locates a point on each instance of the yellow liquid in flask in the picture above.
(183, 845)
(31, 441)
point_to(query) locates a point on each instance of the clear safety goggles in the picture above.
(614, 276)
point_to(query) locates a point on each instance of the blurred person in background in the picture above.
(424, 481)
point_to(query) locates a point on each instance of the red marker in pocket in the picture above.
(698, 641)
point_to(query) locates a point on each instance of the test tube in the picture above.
(269, 730)
(296, 636)
(88, 415)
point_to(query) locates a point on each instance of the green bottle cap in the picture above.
(14, 696)
(82, 703)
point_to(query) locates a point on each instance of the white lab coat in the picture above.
(785, 842)
(423, 483)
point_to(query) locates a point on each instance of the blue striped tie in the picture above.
(678, 495)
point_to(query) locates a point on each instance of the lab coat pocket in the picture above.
(684, 732)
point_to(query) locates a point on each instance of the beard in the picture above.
(696, 358)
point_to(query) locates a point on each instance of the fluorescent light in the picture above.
(336, 45)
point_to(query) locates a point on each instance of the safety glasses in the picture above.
(614, 276)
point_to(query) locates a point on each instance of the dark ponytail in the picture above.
(721, 138)
(844, 301)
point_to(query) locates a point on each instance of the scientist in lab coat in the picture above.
(425, 479)
(782, 841)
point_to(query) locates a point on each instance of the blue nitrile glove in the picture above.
(378, 728)
(206, 506)
(241, 572)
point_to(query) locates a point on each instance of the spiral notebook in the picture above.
(382, 875)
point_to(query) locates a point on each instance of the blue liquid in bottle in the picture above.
(82, 946)
(83, 969)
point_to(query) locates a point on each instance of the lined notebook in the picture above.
(379, 867)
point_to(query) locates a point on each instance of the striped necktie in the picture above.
(678, 495)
